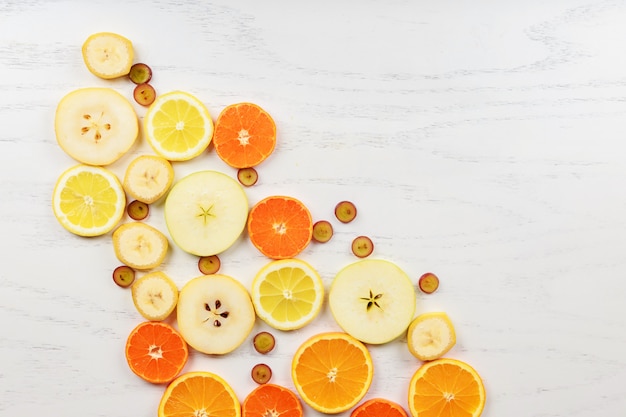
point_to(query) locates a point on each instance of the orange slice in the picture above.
(379, 407)
(156, 352)
(199, 394)
(245, 135)
(271, 400)
(280, 227)
(446, 387)
(332, 372)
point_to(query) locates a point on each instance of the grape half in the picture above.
(144, 94)
(322, 231)
(209, 265)
(261, 373)
(140, 73)
(362, 246)
(428, 283)
(247, 176)
(124, 276)
(345, 211)
(264, 342)
(137, 210)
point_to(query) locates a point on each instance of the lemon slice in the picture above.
(178, 126)
(287, 294)
(430, 336)
(108, 55)
(88, 200)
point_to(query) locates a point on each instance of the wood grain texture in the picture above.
(483, 141)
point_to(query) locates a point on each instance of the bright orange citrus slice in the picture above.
(332, 372)
(271, 400)
(156, 352)
(280, 227)
(245, 135)
(379, 407)
(199, 394)
(446, 388)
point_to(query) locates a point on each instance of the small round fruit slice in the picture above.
(264, 342)
(332, 372)
(95, 126)
(261, 373)
(108, 55)
(446, 387)
(215, 313)
(362, 246)
(287, 294)
(322, 231)
(280, 227)
(138, 210)
(88, 200)
(247, 176)
(199, 394)
(156, 352)
(209, 265)
(124, 276)
(379, 407)
(140, 73)
(155, 295)
(245, 135)
(428, 283)
(148, 178)
(144, 94)
(430, 336)
(206, 212)
(139, 245)
(372, 300)
(178, 126)
(345, 211)
(270, 400)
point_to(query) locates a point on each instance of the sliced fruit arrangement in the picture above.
(140, 245)
(108, 55)
(379, 407)
(156, 352)
(245, 135)
(373, 300)
(430, 336)
(287, 294)
(95, 126)
(446, 387)
(148, 178)
(332, 372)
(155, 295)
(280, 227)
(206, 212)
(88, 200)
(215, 314)
(199, 394)
(271, 400)
(178, 126)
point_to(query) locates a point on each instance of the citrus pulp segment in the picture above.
(206, 212)
(430, 336)
(446, 388)
(178, 126)
(214, 313)
(95, 126)
(271, 400)
(332, 372)
(287, 294)
(156, 352)
(245, 135)
(280, 227)
(88, 200)
(199, 393)
(372, 300)
(108, 55)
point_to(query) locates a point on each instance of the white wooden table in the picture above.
(483, 141)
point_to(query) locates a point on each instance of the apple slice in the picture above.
(214, 314)
(373, 300)
(206, 212)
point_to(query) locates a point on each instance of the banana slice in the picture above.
(372, 300)
(430, 336)
(95, 126)
(155, 295)
(108, 55)
(214, 314)
(148, 178)
(139, 245)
